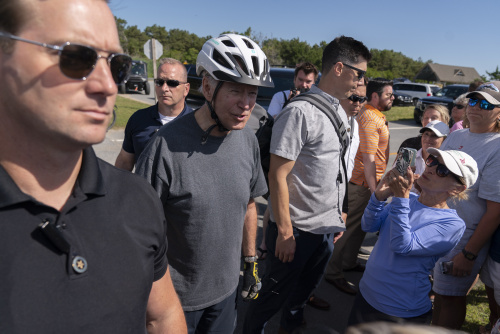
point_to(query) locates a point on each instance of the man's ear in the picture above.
(337, 69)
(186, 89)
(207, 89)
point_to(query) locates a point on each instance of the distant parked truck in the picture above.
(444, 96)
(138, 79)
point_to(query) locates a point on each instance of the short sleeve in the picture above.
(276, 104)
(258, 185)
(368, 136)
(489, 182)
(289, 133)
(161, 261)
(128, 145)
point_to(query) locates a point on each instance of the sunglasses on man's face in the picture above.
(441, 170)
(170, 83)
(360, 74)
(356, 98)
(78, 61)
(483, 104)
(458, 106)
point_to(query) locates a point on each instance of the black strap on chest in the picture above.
(330, 110)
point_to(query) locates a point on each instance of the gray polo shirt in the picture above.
(304, 134)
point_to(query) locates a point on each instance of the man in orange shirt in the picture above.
(369, 166)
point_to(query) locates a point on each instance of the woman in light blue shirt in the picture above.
(415, 231)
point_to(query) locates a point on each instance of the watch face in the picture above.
(469, 255)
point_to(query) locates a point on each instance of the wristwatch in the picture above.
(250, 259)
(468, 255)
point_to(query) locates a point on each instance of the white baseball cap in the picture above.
(438, 127)
(459, 163)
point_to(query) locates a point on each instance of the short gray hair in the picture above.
(211, 81)
(172, 61)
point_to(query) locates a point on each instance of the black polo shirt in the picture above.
(141, 126)
(115, 226)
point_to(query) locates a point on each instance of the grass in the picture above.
(124, 109)
(477, 309)
(399, 114)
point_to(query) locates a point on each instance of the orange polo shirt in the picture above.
(373, 139)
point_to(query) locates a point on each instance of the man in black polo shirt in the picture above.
(171, 89)
(82, 244)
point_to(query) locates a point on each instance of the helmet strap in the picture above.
(213, 115)
(211, 106)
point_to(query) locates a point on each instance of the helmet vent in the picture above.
(248, 43)
(228, 43)
(218, 58)
(241, 63)
(255, 62)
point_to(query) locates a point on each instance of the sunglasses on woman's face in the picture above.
(441, 170)
(483, 104)
(458, 106)
(78, 61)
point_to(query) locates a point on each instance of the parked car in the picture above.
(415, 90)
(400, 80)
(282, 78)
(401, 99)
(444, 96)
(138, 79)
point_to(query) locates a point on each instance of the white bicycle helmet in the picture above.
(235, 58)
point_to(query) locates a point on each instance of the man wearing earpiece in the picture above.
(82, 244)
(206, 169)
(171, 88)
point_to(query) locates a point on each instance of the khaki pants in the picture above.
(345, 251)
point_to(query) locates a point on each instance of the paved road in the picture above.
(141, 96)
(332, 321)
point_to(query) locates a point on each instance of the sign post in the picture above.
(153, 50)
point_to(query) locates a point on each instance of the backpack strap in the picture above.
(331, 111)
(285, 99)
(351, 123)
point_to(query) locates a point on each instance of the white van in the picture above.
(415, 90)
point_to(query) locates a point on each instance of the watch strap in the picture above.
(250, 259)
(469, 255)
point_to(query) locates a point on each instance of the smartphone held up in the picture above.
(405, 159)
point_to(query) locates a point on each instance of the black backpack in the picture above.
(264, 132)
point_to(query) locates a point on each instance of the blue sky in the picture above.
(448, 32)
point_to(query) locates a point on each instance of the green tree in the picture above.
(294, 52)
(495, 75)
(120, 26)
(185, 46)
(390, 65)
(135, 41)
(271, 48)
